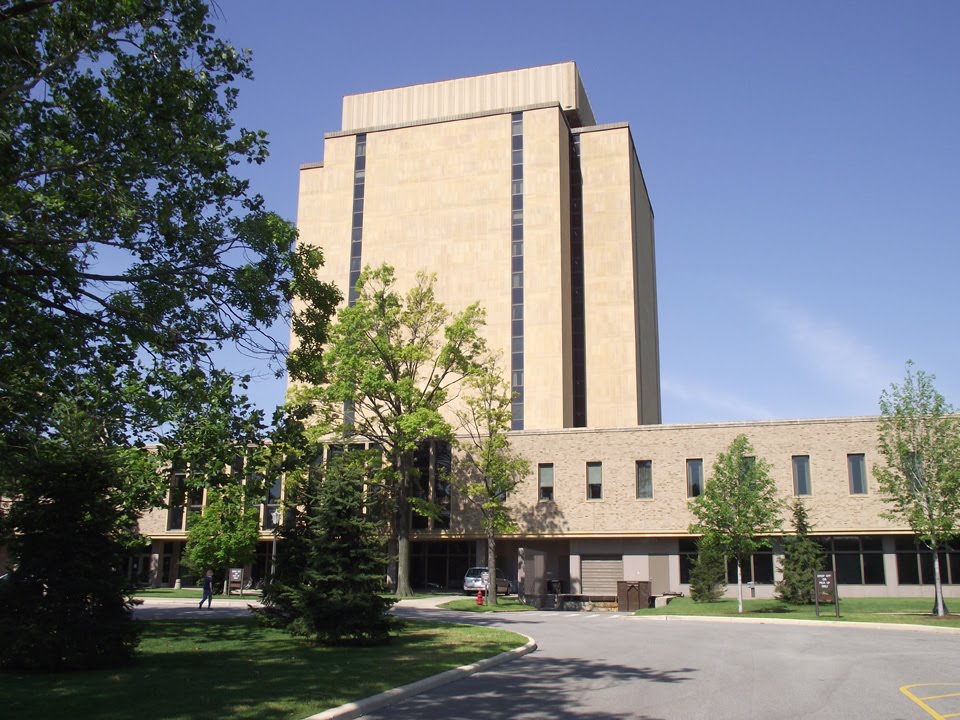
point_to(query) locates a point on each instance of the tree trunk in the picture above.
(492, 568)
(403, 535)
(940, 608)
(739, 588)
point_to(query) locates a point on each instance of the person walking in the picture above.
(207, 590)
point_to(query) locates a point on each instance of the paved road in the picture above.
(161, 608)
(603, 666)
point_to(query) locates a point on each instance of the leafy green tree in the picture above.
(489, 469)
(386, 376)
(130, 249)
(219, 441)
(330, 561)
(708, 576)
(802, 558)
(738, 506)
(66, 604)
(126, 235)
(919, 438)
(225, 534)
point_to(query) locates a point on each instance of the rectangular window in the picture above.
(644, 479)
(517, 280)
(594, 481)
(516, 312)
(915, 563)
(517, 378)
(178, 497)
(757, 568)
(196, 500)
(858, 474)
(694, 477)
(545, 481)
(801, 475)
(856, 560)
(688, 555)
(518, 187)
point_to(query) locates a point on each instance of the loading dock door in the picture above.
(599, 574)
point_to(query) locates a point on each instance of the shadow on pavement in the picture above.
(539, 687)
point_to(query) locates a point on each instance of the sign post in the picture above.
(825, 590)
(236, 580)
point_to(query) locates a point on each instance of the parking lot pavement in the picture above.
(939, 700)
(603, 666)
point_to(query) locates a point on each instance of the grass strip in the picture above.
(211, 669)
(905, 611)
(503, 605)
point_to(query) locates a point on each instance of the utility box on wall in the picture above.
(633, 595)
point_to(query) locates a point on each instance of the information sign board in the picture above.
(236, 579)
(825, 590)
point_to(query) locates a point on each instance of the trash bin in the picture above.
(553, 587)
(633, 595)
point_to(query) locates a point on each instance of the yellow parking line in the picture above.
(906, 690)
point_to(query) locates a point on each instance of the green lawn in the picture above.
(504, 604)
(212, 669)
(912, 611)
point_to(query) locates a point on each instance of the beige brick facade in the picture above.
(439, 188)
(437, 198)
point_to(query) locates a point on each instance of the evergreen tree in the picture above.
(330, 559)
(708, 578)
(67, 604)
(802, 558)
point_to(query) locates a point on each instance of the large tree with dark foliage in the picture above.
(66, 606)
(330, 562)
(130, 250)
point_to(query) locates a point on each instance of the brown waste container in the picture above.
(633, 595)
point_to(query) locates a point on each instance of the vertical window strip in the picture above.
(516, 270)
(577, 313)
(356, 237)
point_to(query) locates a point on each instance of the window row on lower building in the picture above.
(855, 560)
(802, 485)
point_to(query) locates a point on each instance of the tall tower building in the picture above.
(505, 187)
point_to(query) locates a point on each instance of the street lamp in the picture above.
(275, 516)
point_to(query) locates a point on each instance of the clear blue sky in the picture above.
(803, 160)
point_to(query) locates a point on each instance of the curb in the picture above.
(811, 623)
(375, 702)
